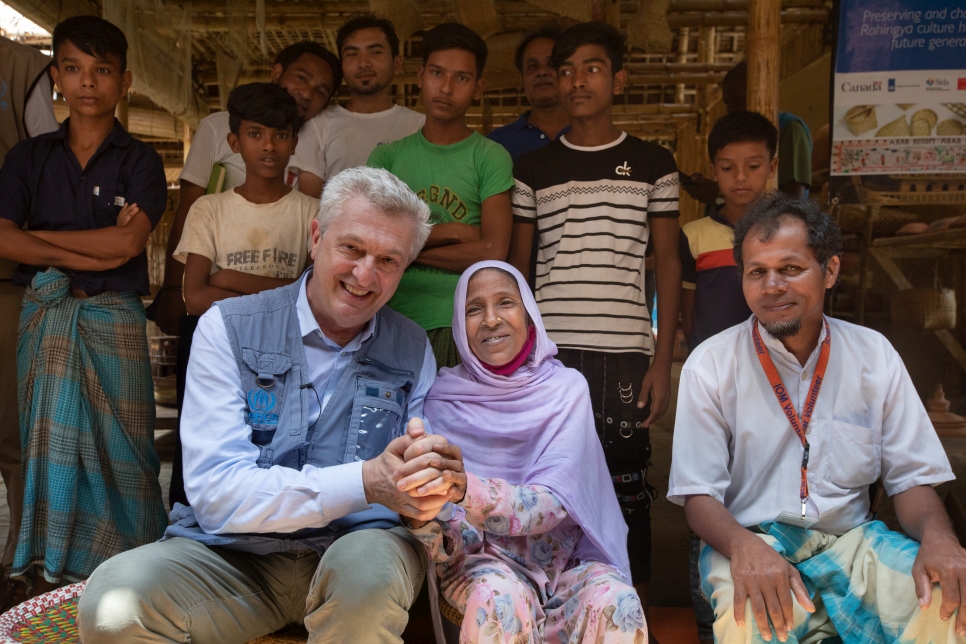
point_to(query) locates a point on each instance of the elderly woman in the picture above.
(536, 550)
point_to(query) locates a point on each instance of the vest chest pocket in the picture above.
(264, 384)
(376, 417)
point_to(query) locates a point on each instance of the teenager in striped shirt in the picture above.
(595, 197)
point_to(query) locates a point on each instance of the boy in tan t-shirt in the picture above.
(254, 237)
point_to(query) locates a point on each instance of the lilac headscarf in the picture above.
(534, 426)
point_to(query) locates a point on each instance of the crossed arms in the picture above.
(99, 249)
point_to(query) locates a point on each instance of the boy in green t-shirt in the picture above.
(464, 177)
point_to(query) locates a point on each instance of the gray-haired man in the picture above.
(294, 416)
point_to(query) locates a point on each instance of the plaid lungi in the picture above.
(87, 431)
(860, 582)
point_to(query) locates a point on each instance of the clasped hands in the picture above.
(416, 475)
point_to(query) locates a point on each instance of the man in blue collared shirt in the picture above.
(295, 410)
(546, 119)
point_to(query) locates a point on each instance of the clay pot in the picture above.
(914, 228)
(940, 224)
(946, 423)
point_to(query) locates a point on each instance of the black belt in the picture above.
(640, 496)
(627, 478)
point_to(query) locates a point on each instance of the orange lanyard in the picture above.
(799, 424)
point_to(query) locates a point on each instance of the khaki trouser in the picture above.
(182, 591)
(11, 297)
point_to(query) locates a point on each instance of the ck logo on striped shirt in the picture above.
(623, 170)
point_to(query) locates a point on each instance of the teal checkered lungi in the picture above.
(87, 431)
(860, 582)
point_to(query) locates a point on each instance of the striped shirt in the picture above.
(708, 268)
(591, 207)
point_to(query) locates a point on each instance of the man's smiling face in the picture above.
(358, 264)
(309, 80)
(782, 280)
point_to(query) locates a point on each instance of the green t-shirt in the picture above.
(454, 180)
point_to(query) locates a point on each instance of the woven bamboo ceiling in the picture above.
(679, 49)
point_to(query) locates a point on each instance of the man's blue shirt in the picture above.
(44, 187)
(521, 137)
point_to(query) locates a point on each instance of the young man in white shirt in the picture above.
(781, 500)
(343, 136)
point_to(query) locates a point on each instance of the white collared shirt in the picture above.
(228, 491)
(733, 442)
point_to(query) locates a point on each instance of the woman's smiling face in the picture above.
(496, 318)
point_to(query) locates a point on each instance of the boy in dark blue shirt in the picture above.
(89, 196)
(742, 149)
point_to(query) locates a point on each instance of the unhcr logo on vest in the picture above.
(260, 406)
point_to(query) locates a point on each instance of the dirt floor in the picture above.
(669, 530)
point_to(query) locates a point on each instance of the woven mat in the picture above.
(49, 618)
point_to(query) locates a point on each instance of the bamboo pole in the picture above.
(706, 52)
(739, 18)
(705, 66)
(736, 5)
(612, 12)
(684, 40)
(633, 80)
(763, 48)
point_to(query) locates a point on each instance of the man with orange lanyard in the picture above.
(783, 423)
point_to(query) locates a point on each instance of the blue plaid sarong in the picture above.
(87, 430)
(861, 584)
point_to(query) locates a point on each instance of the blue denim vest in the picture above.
(367, 410)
